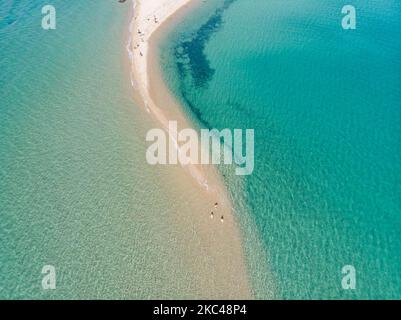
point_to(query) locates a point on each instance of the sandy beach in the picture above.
(215, 253)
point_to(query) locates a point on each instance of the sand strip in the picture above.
(221, 242)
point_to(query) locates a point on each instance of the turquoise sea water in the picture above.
(75, 189)
(325, 104)
(76, 193)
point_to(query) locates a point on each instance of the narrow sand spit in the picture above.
(216, 254)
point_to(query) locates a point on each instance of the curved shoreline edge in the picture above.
(148, 17)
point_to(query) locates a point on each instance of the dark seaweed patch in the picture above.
(191, 58)
(192, 50)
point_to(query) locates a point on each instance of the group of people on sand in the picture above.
(141, 35)
(212, 213)
(138, 45)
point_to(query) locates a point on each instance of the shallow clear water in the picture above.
(325, 104)
(75, 189)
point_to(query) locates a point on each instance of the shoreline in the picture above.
(221, 242)
(143, 46)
